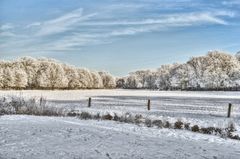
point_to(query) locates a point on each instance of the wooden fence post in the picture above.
(149, 104)
(89, 102)
(229, 110)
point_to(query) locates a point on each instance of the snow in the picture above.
(61, 137)
(201, 108)
(56, 137)
(79, 94)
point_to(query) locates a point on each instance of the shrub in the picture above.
(97, 116)
(211, 130)
(207, 130)
(148, 122)
(187, 126)
(138, 119)
(178, 125)
(19, 105)
(231, 128)
(167, 124)
(236, 137)
(195, 128)
(72, 114)
(116, 117)
(218, 130)
(107, 117)
(18, 102)
(85, 115)
(127, 118)
(157, 123)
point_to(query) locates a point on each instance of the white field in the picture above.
(54, 137)
(202, 108)
(31, 137)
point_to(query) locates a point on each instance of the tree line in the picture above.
(215, 71)
(43, 73)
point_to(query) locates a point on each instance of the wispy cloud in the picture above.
(62, 23)
(80, 27)
(6, 30)
(6, 34)
(190, 18)
(35, 24)
(7, 26)
(109, 30)
(231, 2)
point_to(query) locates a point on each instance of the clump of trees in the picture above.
(42, 73)
(215, 71)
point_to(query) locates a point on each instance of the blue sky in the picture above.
(118, 36)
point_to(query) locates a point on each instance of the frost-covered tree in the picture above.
(96, 80)
(150, 80)
(132, 82)
(57, 77)
(215, 71)
(30, 66)
(20, 81)
(72, 76)
(108, 80)
(120, 82)
(85, 78)
(43, 73)
(8, 78)
(1, 76)
(164, 74)
(238, 55)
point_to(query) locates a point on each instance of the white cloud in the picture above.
(7, 26)
(35, 24)
(202, 17)
(125, 28)
(231, 2)
(76, 29)
(166, 21)
(62, 23)
(6, 34)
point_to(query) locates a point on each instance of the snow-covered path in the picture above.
(55, 137)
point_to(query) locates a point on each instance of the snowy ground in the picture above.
(201, 108)
(52, 137)
(27, 137)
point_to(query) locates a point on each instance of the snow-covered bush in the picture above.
(32, 106)
(157, 123)
(85, 115)
(195, 128)
(178, 124)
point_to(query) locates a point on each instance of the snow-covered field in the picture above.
(55, 137)
(28, 137)
(202, 108)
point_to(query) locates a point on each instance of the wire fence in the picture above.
(165, 106)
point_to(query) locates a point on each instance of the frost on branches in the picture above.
(30, 73)
(215, 71)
